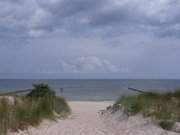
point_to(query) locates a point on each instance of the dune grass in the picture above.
(30, 110)
(164, 108)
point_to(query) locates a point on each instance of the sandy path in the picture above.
(84, 120)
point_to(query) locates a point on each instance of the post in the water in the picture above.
(61, 91)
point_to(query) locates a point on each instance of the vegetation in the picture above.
(163, 108)
(41, 103)
(166, 124)
(41, 90)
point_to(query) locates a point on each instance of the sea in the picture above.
(93, 89)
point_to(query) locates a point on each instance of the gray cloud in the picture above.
(122, 38)
(39, 17)
(141, 57)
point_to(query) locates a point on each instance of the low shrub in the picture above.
(41, 90)
(167, 125)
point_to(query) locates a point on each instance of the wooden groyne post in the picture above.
(137, 90)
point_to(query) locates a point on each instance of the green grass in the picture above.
(161, 107)
(30, 111)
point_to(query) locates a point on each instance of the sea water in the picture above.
(92, 89)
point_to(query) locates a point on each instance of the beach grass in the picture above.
(164, 107)
(30, 110)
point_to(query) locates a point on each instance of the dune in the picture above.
(86, 120)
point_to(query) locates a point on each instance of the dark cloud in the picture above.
(67, 8)
(39, 17)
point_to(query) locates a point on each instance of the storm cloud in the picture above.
(39, 17)
(97, 38)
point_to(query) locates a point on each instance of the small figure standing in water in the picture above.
(61, 91)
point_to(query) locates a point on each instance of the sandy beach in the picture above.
(86, 120)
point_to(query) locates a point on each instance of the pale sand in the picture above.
(86, 120)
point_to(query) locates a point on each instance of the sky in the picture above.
(90, 39)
